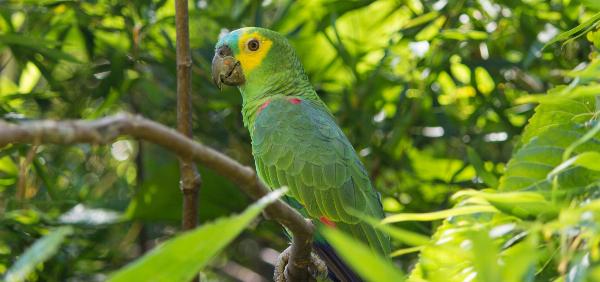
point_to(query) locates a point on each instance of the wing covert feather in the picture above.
(299, 145)
(302, 142)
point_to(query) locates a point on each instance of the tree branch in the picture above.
(106, 130)
(190, 177)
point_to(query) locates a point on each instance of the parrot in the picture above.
(297, 143)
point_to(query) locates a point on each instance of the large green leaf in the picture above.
(180, 258)
(527, 190)
(567, 112)
(555, 127)
(367, 264)
(39, 252)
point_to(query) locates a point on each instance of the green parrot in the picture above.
(296, 141)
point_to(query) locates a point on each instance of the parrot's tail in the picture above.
(338, 269)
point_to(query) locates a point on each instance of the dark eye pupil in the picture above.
(253, 45)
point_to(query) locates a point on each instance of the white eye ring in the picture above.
(253, 44)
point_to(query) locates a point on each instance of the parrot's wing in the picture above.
(296, 143)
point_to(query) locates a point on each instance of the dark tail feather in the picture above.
(338, 270)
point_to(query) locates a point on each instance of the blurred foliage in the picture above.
(180, 259)
(434, 95)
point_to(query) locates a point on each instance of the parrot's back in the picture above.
(296, 143)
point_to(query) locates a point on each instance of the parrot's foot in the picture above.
(317, 268)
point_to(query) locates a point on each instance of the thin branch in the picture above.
(106, 130)
(190, 178)
(23, 169)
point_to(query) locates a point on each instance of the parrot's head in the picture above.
(253, 58)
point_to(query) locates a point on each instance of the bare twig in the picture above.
(190, 178)
(106, 130)
(24, 167)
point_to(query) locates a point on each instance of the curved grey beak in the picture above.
(226, 69)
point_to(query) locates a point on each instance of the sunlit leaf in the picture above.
(461, 72)
(431, 30)
(405, 251)
(8, 166)
(29, 78)
(485, 252)
(520, 204)
(415, 6)
(439, 214)
(485, 83)
(398, 234)
(425, 18)
(182, 257)
(367, 264)
(563, 96)
(464, 35)
(572, 32)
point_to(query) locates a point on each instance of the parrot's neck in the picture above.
(254, 95)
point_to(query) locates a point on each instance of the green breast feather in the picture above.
(296, 143)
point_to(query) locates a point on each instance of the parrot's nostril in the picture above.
(224, 51)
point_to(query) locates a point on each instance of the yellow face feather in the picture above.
(251, 59)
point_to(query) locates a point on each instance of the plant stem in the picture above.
(190, 180)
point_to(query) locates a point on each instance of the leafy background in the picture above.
(435, 96)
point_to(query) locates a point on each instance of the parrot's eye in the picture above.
(253, 45)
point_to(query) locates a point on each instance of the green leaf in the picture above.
(520, 260)
(591, 134)
(530, 166)
(487, 177)
(572, 32)
(567, 112)
(430, 31)
(589, 73)
(591, 4)
(553, 133)
(562, 96)
(182, 257)
(8, 166)
(589, 160)
(29, 78)
(520, 204)
(398, 234)
(457, 34)
(421, 20)
(39, 252)
(430, 216)
(461, 72)
(485, 82)
(415, 6)
(486, 253)
(365, 262)
(404, 251)
(38, 45)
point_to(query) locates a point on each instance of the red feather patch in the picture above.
(295, 101)
(264, 105)
(327, 221)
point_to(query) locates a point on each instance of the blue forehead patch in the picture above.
(231, 40)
